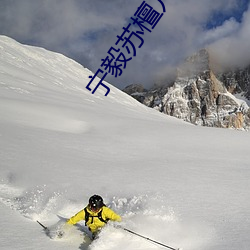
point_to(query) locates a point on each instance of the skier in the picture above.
(95, 214)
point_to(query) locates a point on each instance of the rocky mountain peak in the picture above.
(196, 64)
(202, 97)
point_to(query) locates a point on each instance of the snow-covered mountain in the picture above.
(182, 185)
(202, 96)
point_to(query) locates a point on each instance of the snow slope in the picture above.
(179, 184)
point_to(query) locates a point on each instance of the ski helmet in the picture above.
(95, 202)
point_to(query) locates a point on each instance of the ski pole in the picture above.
(146, 238)
(45, 228)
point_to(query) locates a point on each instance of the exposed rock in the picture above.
(133, 88)
(137, 91)
(237, 81)
(201, 97)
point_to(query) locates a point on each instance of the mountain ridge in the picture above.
(201, 95)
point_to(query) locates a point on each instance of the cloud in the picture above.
(85, 30)
(233, 49)
(228, 28)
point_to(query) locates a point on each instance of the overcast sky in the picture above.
(86, 29)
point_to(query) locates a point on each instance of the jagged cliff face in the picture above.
(237, 81)
(201, 97)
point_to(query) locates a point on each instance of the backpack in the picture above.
(88, 216)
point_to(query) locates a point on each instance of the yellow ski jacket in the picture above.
(94, 223)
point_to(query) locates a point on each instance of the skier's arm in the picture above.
(110, 214)
(77, 217)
